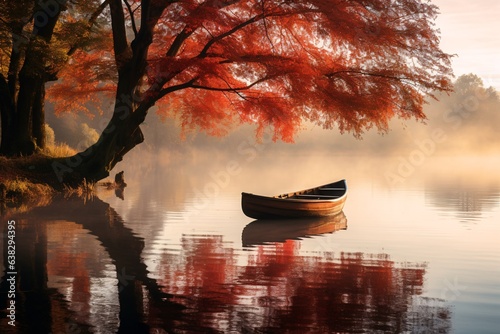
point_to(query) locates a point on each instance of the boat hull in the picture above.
(313, 202)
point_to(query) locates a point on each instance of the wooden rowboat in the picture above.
(321, 201)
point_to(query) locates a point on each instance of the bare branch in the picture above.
(171, 89)
(90, 24)
(254, 19)
(132, 18)
(371, 74)
(265, 27)
(178, 41)
(120, 43)
(154, 94)
(233, 89)
(186, 32)
(240, 26)
(151, 12)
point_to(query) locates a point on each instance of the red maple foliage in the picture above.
(346, 64)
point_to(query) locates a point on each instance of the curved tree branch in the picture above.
(178, 41)
(90, 23)
(132, 18)
(233, 89)
(217, 38)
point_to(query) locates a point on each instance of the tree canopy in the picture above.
(346, 64)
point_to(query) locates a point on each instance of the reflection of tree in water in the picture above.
(123, 247)
(279, 291)
(465, 202)
(39, 308)
(270, 289)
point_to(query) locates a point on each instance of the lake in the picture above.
(415, 250)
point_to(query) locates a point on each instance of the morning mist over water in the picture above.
(460, 132)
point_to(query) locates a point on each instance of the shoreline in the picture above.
(30, 181)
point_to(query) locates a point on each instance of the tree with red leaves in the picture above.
(346, 64)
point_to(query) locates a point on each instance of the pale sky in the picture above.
(470, 29)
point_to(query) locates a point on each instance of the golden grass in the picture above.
(25, 180)
(19, 189)
(85, 190)
(59, 151)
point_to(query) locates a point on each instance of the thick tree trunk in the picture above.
(95, 163)
(18, 47)
(123, 132)
(38, 117)
(7, 118)
(23, 130)
(28, 87)
(44, 31)
(8, 94)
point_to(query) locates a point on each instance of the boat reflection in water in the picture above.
(263, 231)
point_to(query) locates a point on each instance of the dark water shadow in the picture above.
(264, 231)
(37, 308)
(124, 249)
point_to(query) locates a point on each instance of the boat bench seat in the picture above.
(311, 196)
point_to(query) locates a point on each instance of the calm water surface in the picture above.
(415, 251)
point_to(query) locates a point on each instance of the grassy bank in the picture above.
(25, 179)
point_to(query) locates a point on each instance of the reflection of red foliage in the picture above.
(71, 261)
(273, 288)
(276, 287)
